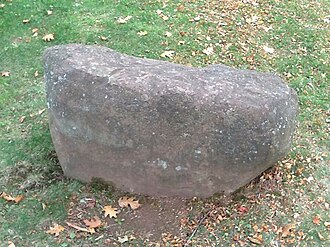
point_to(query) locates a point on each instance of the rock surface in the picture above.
(163, 129)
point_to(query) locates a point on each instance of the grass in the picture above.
(295, 191)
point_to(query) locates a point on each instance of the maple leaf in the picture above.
(109, 210)
(168, 54)
(56, 229)
(142, 33)
(93, 222)
(316, 220)
(5, 73)
(125, 202)
(123, 20)
(48, 37)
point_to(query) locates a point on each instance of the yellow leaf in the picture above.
(48, 37)
(109, 210)
(5, 73)
(56, 230)
(125, 202)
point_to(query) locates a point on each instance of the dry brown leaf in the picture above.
(26, 21)
(22, 119)
(316, 220)
(320, 236)
(90, 230)
(35, 30)
(48, 37)
(5, 73)
(109, 210)
(168, 54)
(56, 229)
(103, 38)
(255, 240)
(287, 230)
(125, 202)
(94, 222)
(161, 14)
(9, 198)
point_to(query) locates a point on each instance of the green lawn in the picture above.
(289, 38)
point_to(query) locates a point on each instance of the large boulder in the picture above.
(163, 129)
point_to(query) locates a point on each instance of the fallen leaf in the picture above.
(208, 51)
(90, 230)
(56, 229)
(320, 236)
(41, 111)
(242, 209)
(5, 73)
(123, 20)
(168, 54)
(326, 19)
(287, 230)
(11, 244)
(180, 8)
(36, 73)
(161, 14)
(103, 38)
(109, 210)
(49, 12)
(168, 34)
(93, 222)
(142, 33)
(255, 240)
(9, 198)
(122, 239)
(316, 220)
(48, 37)
(2, 6)
(268, 49)
(22, 119)
(125, 202)
(26, 21)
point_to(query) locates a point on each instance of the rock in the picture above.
(163, 129)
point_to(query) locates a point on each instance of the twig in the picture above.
(196, 229)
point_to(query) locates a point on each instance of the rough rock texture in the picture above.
(163, 129)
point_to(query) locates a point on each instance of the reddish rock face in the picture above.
(162, 129)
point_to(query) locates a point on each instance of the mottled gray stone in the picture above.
(158, 128)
